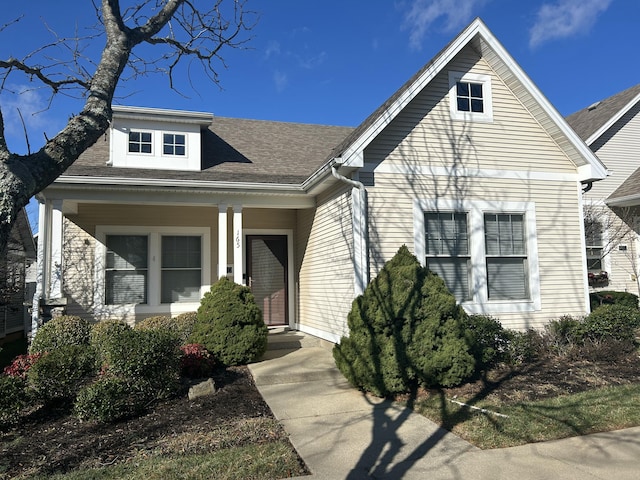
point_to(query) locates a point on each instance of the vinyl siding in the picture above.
(424, 135)
(325, 273)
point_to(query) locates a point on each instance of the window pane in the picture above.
(455, 272)
(126, 251)
(125, 287)
(126, 269)
(476, 90)
(145, 148)
(146, 137)
(463, 104)
(462, 89)
(506, 278)
(180, 150)
(134, 136)
(477, 106)
(180, 252)
(180, 286)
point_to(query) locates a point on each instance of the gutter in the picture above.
(360, 230)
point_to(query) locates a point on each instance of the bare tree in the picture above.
(168, 31)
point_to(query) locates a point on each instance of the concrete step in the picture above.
(284, 339)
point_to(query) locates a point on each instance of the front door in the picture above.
(267, 275)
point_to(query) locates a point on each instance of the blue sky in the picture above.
(335, 61)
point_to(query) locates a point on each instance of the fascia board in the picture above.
(598, 133)
(626, 201)
(163, 115)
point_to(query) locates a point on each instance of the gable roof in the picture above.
(628, 193)
(591, 122)
(482, 40)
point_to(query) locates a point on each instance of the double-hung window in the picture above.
(181, 267)
(126, 269)
(593, 233)
(506, 257)
(485, 251)
(447, 249)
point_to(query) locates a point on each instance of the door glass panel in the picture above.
(267, 258)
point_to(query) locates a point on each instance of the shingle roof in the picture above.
(589, 120)
(237, 150)
(629, 189)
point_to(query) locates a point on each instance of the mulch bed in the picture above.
(52, 440)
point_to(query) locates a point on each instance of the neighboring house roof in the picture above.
(236, 150)
(628, 193)
(591, 122)
(21, 232)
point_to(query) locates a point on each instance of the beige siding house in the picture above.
(611, 128)
(467, 164)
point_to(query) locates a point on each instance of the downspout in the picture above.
(360, 231)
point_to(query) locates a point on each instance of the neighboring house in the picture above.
(21, 252)
(467, 163)
(611, 128)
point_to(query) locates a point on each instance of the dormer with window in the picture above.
(470, 97)
(157, 139)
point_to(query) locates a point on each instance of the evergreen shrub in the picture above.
(184, 325)
(230, 324)
(523, 347)
(108, 399)
(488, 340)
(60, 332)
(60, 373)
(405, 330)
(617, 322)
(102, 333)
(13, 398)
(610, 297)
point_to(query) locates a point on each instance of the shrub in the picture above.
(21, 365)
(108, 399)
(616, 321)
(150, 359)
(59, 332)
(610, 297)
(13, 398)
(488, 340)
(184, 325)
(523, 347)
(230, 324)
(61, 372)
(102, 333)
(405, 330)
(196, 361)
(154, 323)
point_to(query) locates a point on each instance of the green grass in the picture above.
(265, 461)
(598, 410)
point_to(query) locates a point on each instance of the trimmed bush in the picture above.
(108, 399)
(230, 324)
(405, 330)
(62, 372)
(196, 361)
(13, 398)
(149, 359)
(59, 332)
(617, 322)
(488, 340)
(182, 325)
(102, 333)
(610, 297)
(154, 323)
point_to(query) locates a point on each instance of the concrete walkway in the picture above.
(342, 434)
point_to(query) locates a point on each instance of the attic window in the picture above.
(173, 144)
(140, 142)
(470, 97)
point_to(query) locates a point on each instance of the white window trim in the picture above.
(153, 305)
(475, 209)
(141, 130)
(487, 97)
(173, 155)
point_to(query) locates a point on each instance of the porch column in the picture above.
(55, 268)
(41, 265)
(222, 240)
(237, 245)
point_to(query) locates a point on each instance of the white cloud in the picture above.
(564, 19)
(423, 13)
(33, 105)
(281, 80)
(273, 48)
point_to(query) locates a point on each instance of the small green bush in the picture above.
(184, 325)
(523, 347)
(100, 335)
(230, 324)
(61, 332)
(149, 359)
(154, 323)
(488, 340)
(405, 330)
(62, 372)
(610, 297)
(108, 399)
(13, 398)
(616, 321)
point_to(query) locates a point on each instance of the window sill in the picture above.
(500, 306)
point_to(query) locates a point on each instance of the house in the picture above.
(14, 287)
(467, 164)
(611, 128)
